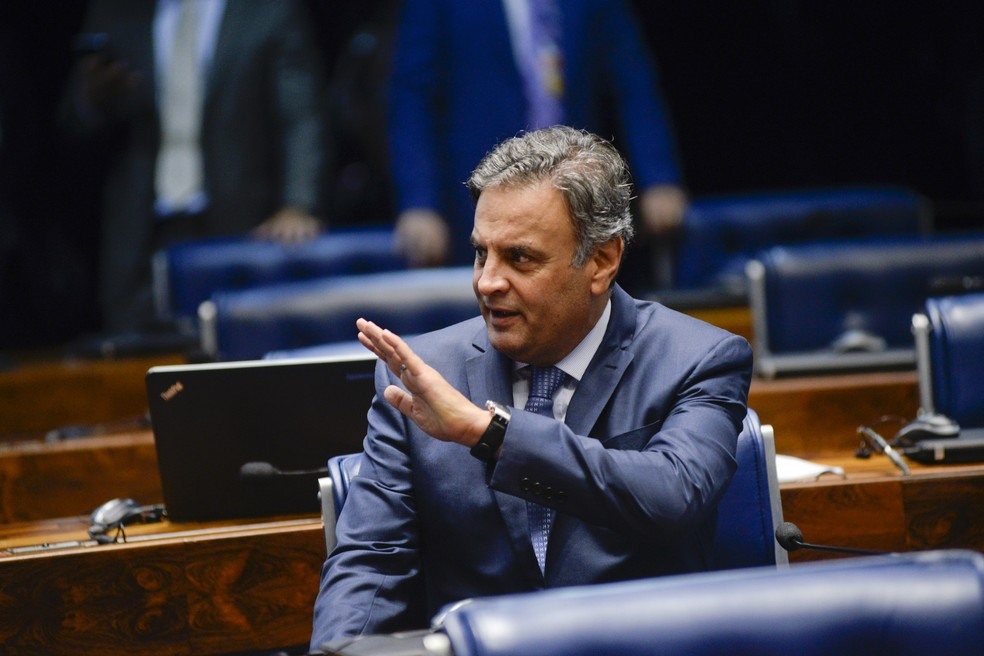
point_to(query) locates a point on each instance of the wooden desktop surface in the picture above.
(189, 589)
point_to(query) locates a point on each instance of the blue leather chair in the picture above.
(751, 509)
(246, 324)
(748, 514)
(185, 275)
(721, 233)
(334, 489)
(906, 605)
(949, 338)
(849, 305)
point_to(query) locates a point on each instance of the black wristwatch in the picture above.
(491, 440)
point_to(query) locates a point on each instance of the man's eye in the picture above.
(520, 257)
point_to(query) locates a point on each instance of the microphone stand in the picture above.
(790, 538)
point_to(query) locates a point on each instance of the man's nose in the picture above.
(490, 278)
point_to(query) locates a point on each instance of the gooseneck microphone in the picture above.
(790, 538)
(265, 471)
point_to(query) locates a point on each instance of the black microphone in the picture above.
(790, 538)
(265, 471)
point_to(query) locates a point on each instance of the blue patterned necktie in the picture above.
(543, 384)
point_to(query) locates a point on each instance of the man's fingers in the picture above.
(399, 399)
(365, 341)
(389, 347)
(403, 356)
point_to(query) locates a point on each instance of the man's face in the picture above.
(536, 305)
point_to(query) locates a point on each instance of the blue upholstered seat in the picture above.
(848, 305)
(246, 324)
(907, 605)
(187, 274)
(751, 509)
(334, 489)
(748, 514)
(721, 233)
(951, 373)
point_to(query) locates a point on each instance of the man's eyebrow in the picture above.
(525, 250)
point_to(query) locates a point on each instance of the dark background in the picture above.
(763, 94)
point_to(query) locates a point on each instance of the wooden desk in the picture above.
(875, 507)
(189, 589)
(40, 395)
(813, 414)
(39, 480)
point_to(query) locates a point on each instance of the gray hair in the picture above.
(586, 169)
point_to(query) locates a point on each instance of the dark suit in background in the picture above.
(262, 137)
(645, 452)
(456, 91)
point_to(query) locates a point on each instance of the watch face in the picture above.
(498, 410)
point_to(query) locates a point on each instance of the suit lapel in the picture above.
(225, 48)
(606, 368)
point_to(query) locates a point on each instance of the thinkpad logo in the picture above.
(172, 391)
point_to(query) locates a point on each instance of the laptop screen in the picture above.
(251, 438)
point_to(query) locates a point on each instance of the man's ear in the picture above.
(606, 260)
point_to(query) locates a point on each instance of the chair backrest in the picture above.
(186, 274)
(748, 514)
(334, 489)
(751, 509)
(844, 306)
(246, 324)
(906, 605)
(721, 233)
(949, 338)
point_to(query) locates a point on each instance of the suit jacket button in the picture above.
(560, 496)
(524, 485)
(538, 488)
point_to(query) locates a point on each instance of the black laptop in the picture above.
(250, 439)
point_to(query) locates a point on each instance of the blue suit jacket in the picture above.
(645, 453)
(455, 92)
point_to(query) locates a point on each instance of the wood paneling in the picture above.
(814, 414)
(40, 480)
(207, 592)
(40, 395)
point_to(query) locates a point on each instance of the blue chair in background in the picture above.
(721, 233)
(185, 275)
(949, 339)
(904, 605)
(848, 305)
(748, 514)
(246, 324)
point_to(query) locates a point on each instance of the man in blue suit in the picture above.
(462, 81)
(626, 459)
